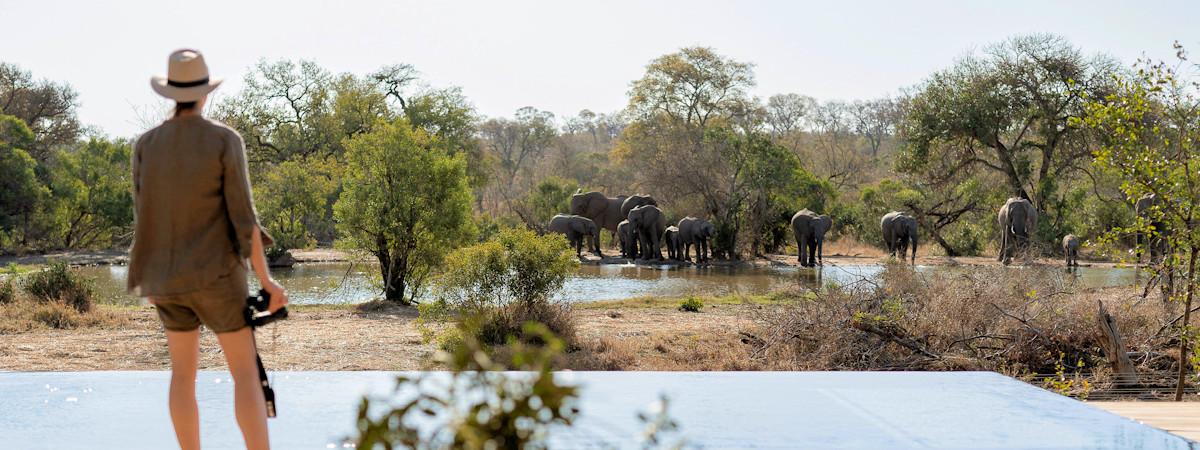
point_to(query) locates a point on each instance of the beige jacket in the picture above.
(194, 213)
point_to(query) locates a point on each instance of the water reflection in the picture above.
(340, 283)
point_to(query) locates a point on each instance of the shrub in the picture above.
(691, 304)
(501, 284)
(503, 410)
(57, 315)
(7, 294)
(499, 325)
(59, 283)
(987, 318)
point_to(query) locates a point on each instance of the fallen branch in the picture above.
(893, 336)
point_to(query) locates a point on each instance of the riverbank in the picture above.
(846, 254)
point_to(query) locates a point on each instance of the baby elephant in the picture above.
(576, 229)
(1071, 250)
(628, 238)
(671, 241)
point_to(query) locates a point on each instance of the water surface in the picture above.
(345, 283)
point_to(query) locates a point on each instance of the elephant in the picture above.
(698, 232)
(809, 228)
(899, 231)
(628, 240)
(604, 211)
(1070, 244)
(1017, 218)
(635, 201)
(575, 228)
(1157, 242)
(671, 240)
(648, 223)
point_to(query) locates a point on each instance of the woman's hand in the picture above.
(279, 297)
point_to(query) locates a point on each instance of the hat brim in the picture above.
(183, 94)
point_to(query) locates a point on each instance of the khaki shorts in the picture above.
(219, 306)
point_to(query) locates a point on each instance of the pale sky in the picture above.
(561, 56)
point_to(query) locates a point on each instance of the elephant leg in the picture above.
(800, 250)
(687, 251)
(914, 252)
(821, 252)
(1004, 244)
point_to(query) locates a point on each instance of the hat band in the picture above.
(188, 84)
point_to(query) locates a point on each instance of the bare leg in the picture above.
(184, 347)
(249, 406)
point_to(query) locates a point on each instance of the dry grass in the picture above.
(23, 315)
(1032, 320)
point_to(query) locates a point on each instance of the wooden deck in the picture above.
(1180, 418)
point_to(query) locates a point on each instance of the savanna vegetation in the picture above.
(1004, 121)
(451, 203)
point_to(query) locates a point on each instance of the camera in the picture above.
(256, 310)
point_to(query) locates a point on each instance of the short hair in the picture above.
(183, 106)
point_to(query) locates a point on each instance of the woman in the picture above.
(195, 227)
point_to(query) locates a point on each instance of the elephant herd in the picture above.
(642, 230)
(637, 223)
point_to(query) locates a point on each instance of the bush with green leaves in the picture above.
(691, 304)
(482, 402)
(7, 292)
(503, 410)
(507, 281)
(58, 283)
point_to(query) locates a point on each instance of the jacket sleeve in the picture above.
(239, 200)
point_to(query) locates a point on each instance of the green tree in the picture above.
(1151, 125)
(90, 185)
(406, 201)
(956, 217)
(551, 196)
(1009, 111)
(285, 111)
(694, 138)
(448, 115)
(291, 199)
(46, 107)
(22, 195)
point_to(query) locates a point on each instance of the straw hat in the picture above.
(187, 77)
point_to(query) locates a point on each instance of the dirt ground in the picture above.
(614, 337)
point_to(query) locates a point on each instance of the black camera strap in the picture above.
(268, 393)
